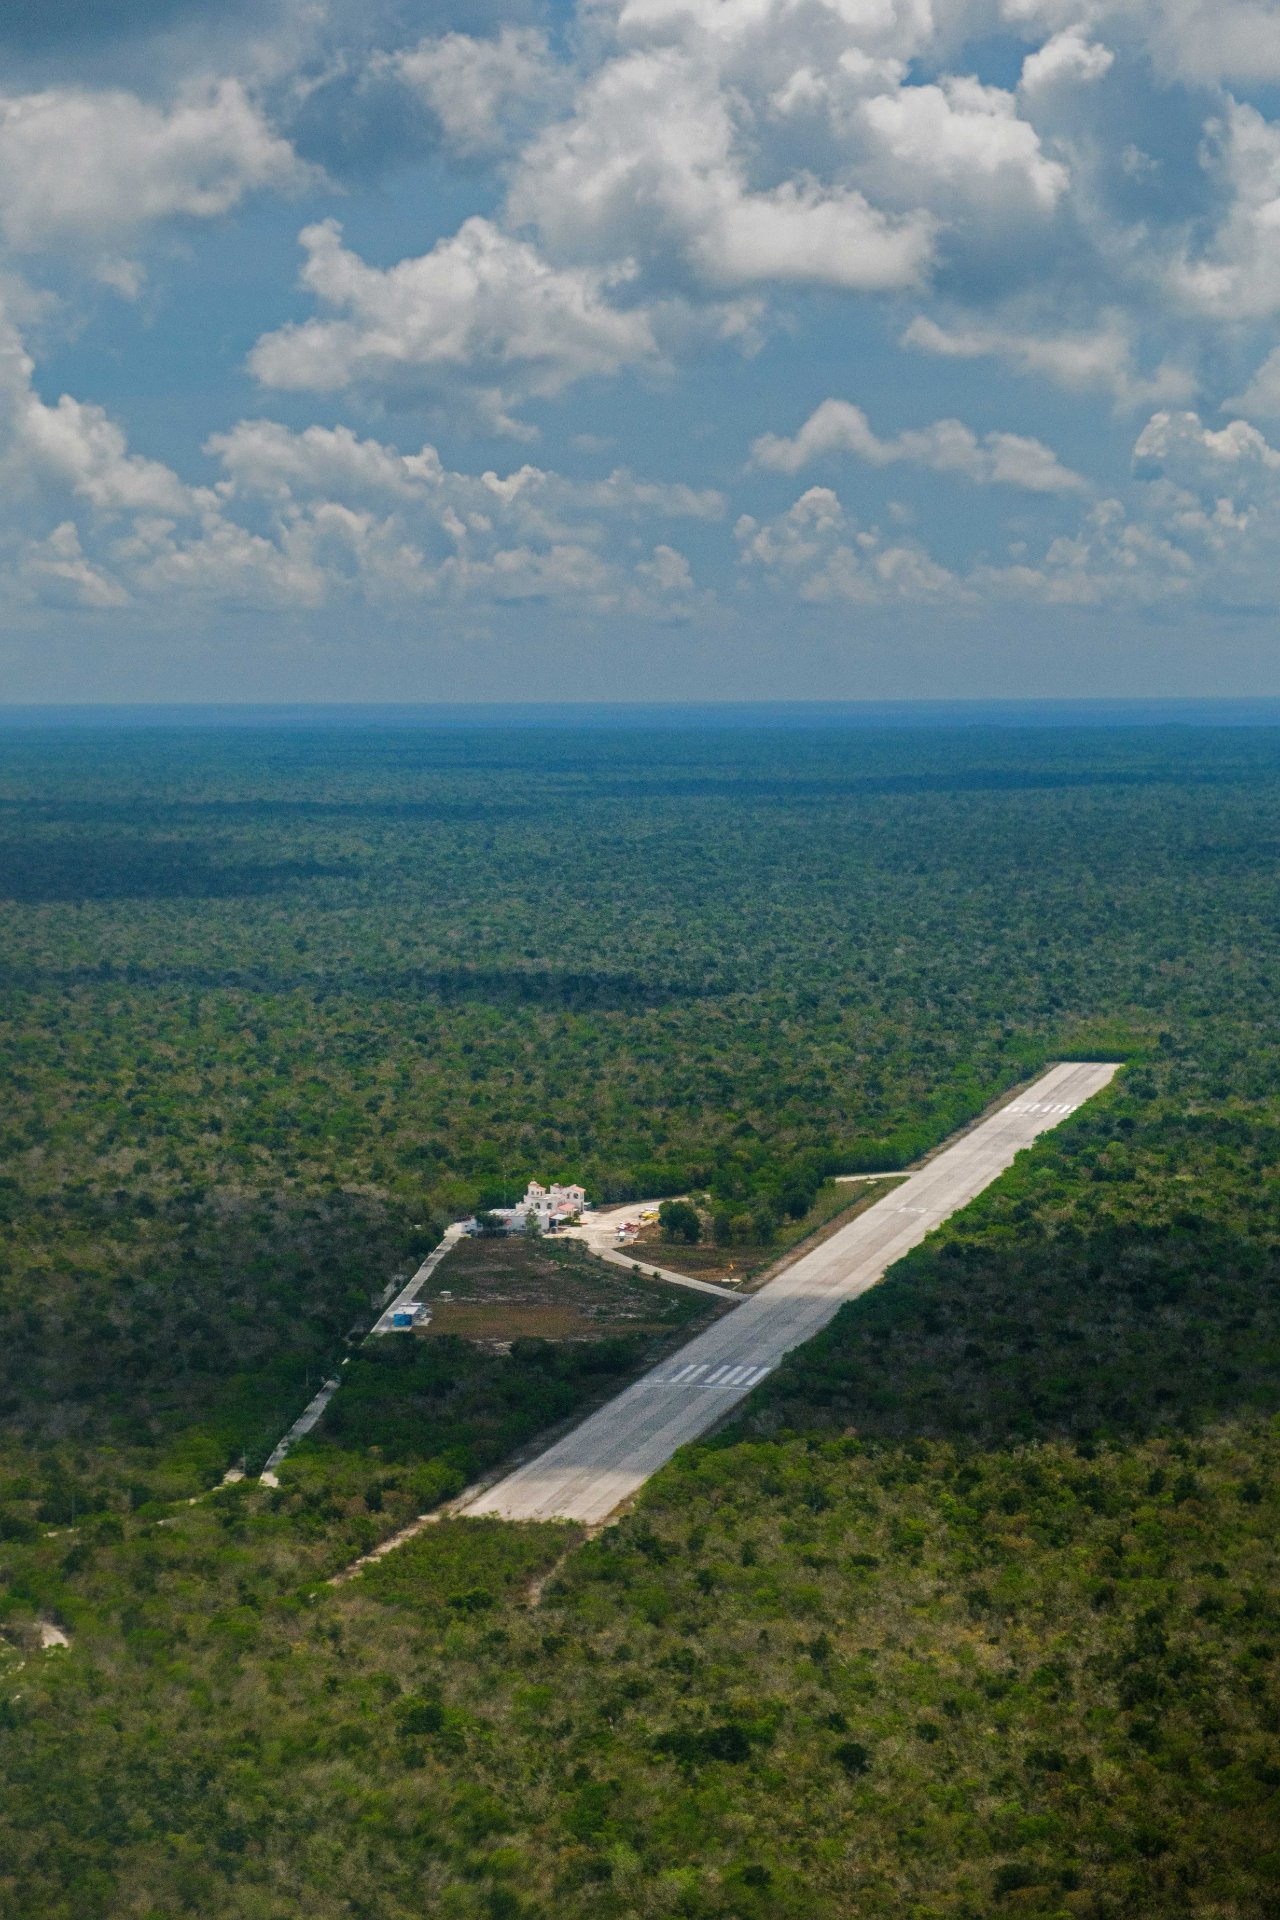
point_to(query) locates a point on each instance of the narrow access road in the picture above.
(592, 1470)
(313, 1410)
(409, 1294)
(302, 1425)
(599, 1232)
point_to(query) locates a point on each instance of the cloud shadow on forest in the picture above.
(551, 989)
(38, 872)
(567, 784)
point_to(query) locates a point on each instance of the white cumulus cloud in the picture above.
(477, 88)
(1101, 358)
(1235, 275)
(1181, 447)
(479, 303)
(88, 170)
(1232, 40)
(56, 569)
(307, 519)
(959, 140)
(819, 552)
(73, 447)
(650, 167)
(1069, 58)
(947, 446)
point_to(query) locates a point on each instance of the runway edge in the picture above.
(594, 1469)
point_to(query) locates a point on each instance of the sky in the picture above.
(639, 349)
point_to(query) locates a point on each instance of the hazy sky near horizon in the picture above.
(639, 348)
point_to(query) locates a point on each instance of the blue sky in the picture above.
(640, 349)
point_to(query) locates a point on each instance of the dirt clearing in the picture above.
(755, 1261)
(515, 1288)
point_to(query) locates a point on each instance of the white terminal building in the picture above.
(547, 1207)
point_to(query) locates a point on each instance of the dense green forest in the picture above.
(973, 1610)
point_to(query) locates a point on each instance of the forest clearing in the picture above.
(969, 1608)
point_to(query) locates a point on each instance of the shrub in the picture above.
(853, 1756)
(729, 1740)
(679, 1221)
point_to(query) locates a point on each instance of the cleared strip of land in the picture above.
(408, 1295)
(603, 1462)
(308, 1418)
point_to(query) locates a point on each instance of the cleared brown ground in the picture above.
(506, 1320)
(703, 1262)
(512, 1289)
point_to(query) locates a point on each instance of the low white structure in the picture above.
(509, 1219)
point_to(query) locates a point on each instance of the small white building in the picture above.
(510, 1220)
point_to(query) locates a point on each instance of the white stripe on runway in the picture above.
(592, 1470)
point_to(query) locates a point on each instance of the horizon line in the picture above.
(1234, 710)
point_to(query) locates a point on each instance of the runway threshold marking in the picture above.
(740, 1373)
(590, 1472)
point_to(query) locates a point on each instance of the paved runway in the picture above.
(592, 1470)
